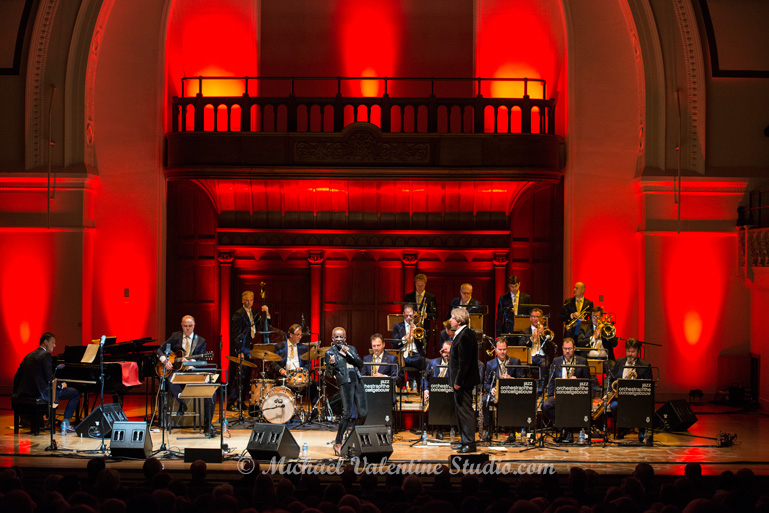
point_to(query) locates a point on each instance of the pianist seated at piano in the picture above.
(35, 374)
(194, 348)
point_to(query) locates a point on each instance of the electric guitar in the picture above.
(176, 358)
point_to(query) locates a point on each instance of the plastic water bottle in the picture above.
(424, 437)
(225, 427)
(582, 436)
(414, 386)
(64, 427)
(389, 429)
(523, 435)
(305, 451)
(452, 435)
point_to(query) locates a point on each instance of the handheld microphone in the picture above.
(102, 340)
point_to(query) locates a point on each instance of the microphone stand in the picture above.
(539, 442)
(163, 420)
(102, 447)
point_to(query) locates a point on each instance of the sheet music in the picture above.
(91, 350)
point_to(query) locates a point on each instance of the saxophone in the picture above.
(609, 397)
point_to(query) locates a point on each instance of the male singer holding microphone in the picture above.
(344, 363)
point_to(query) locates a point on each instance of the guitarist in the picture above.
(190, 344)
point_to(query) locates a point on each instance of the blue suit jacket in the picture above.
(283, 353)
(555, 372)
(388, 370)
(492, 369)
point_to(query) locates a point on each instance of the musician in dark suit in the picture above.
(466, 300)
(590, 336)
(572, 307)
(191, 344)
(413, 348)
(244, 327)
(561, 369)
(510, 305)
(496, 369)
(35, 374)
(464, 376)
(293, 365)
(630, 367)
(535, 338)
(423, 300)
(383, 364)
(343, 362)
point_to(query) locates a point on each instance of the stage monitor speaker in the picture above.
(674, 416)
(131, 440)
(192, 454)
(112, 413)
(272, 441)
(368, 443)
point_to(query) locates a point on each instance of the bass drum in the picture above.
(279, 405)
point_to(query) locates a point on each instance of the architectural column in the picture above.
(410, 261)
(500, 280)
(225, 259)
(315, 260)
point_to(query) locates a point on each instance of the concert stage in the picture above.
(668, 455)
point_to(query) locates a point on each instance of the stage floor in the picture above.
(668, 455)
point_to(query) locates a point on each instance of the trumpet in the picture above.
(580, 317)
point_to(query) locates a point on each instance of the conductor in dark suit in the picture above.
(630, 367)
(35, 374)
(343, 362)
(464, 376)
(496, 369)
(189, 342)
(423, 300)
(572, 307)
(510, 304)
(561, 369)
(244, 327)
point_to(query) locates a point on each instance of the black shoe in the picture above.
(486, 437)
(620, 434)
(510, 439)
(456, 447)
(439, 436)
(468, 448)
(182, 407)
(566, 437)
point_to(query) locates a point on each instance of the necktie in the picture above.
(579, 305)
(443, 371)
(376, 367)
(570, 370)
(515, 305)
(186, 346)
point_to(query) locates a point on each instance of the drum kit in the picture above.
(279, 400)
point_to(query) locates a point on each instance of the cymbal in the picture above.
(314, 353)
(265, 355)
(241, 361)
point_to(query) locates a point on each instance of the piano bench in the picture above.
(34, 409)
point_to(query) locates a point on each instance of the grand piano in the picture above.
(126, 366)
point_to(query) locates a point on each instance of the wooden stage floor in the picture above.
(668, 455)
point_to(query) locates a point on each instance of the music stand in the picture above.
(522, 353)
(476, 322)
(517, 401)
(198, 386)
(635, 404)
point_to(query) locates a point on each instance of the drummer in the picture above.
(292, 363)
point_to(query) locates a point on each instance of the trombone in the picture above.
(419, 332)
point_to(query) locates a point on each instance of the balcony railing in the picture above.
(464, 110)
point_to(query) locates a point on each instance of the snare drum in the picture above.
(298, 378)
(278, 406)
(259, 389)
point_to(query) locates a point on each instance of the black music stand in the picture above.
(518, 398)
(635, 405)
